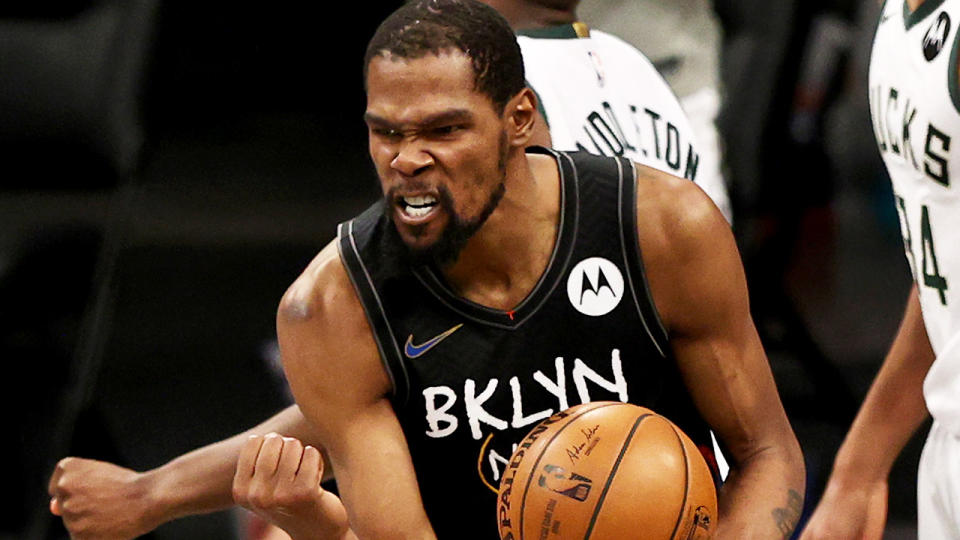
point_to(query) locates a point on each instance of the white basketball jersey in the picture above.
(681, 37)
(601, 95)
(914, 103)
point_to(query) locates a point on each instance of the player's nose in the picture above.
(411, 158)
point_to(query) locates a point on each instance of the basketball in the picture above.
(606, 471)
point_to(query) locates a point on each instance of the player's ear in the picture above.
(521, 115)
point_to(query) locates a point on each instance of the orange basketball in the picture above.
(606, 471)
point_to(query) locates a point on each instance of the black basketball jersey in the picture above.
(470, 381)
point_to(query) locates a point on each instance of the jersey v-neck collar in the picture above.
(552, 275)
(912, 18)
(561, 31)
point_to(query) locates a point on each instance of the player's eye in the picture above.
(387, 133)
(446, 130)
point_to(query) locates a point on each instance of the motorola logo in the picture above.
(595, 286)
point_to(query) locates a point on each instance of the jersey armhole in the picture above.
(953, 72)
(630, 246)
(376, 317)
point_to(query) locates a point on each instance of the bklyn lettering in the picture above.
(448, 409)
(439, 401)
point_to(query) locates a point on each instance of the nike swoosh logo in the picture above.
(413, 351)
(884, 18)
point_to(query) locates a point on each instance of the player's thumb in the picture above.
(55, 507)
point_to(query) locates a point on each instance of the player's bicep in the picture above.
(334, 370)
(375, 474)
(700, 290)
(733, 389)
(376, 478)
(327, 348)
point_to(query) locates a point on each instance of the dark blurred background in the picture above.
(168, 168)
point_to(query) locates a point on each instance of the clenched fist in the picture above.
(849, 513)
(99, 500)
(278, 478)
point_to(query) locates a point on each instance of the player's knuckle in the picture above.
(64, 486)
(240, 482)
(240, 495)
(301, 491)
(283, 498)
(68, 507)
(82, 526)
(291, 496)
(260, 498)
(253, 502)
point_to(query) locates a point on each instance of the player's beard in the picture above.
(446, 250)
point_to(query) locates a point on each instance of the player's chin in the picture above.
(422, 236)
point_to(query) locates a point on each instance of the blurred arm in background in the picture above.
(854, 504)
(101, 500)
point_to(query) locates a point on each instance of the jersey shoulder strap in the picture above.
(609, 195)
(372, 269)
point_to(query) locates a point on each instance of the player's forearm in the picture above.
(763, 496)
(894, 407)
(201, 481)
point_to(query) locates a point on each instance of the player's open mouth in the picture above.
(416, 207)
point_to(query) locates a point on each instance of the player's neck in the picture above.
(505, 259)
(914, 4)
(526, 15)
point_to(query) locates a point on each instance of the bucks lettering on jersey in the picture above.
(470, 382)
(914, 104)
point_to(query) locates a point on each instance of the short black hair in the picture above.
(423, 27)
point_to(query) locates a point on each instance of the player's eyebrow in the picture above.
(443, 117)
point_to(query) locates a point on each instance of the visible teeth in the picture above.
(415, 211)
(420, 200)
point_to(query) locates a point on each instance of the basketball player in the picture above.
(484, 293)
(914, 103)
(200, 481)
(599, 94)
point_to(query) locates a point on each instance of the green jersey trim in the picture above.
(953, 75)
(562, 31)
(926, 8)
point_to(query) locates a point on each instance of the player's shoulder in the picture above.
(683, 238)
(674, 212)
(322, 292)
(328, 351)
